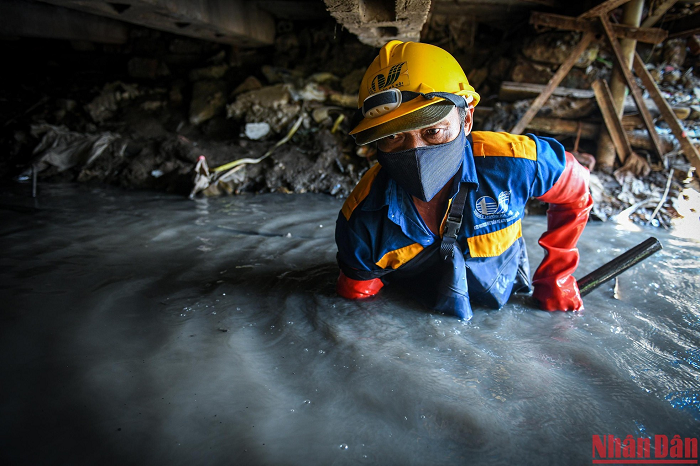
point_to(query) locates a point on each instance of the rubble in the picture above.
(555, 47)
(104, 106)
(208, 100)
(272, 104)
(251, 83)
(64, 149)
(198, 118)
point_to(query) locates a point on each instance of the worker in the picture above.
(440, 214)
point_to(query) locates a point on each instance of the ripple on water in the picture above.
(384, 377)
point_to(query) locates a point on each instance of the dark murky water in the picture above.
(148, 329)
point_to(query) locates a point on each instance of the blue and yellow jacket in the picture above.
(380, 234)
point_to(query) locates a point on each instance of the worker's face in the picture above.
(441, 132)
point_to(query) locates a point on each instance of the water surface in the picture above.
(141, 328)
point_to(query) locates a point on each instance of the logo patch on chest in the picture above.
(488, 207)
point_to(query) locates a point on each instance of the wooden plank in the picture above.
(603, 8)
(632, 85)
(511, 91)
(677, 129)
(612, 122)
(553, 83)
(689, 32)
(622, 31)
(656, 15)
(638, 139)
(563, 127)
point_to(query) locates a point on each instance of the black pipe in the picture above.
(618, 265)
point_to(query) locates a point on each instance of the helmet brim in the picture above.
(416, 119)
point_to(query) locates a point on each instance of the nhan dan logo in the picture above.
(608, 449)
(486, 206)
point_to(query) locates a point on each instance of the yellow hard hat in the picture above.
(395, 84)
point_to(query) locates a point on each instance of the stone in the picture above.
(351, 82)
(555, 47)
(104, 106)
(256, 131)
(675, 52)
(694, 45)
(142, 68)
(211, 72)
(528, 72)
(251, 83)
(498, 69)
(310, 92)
(672, 77)
(694, 112)
(271, 104)
(208, 99)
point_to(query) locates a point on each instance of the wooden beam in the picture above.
(677, 129)
(24, 19)
(689, 32)
(632, 85)
(226, 21)
(622, 31)
(511, 91)
(553, 83)
(612, 122)
(558, 126)
(602, 9)
(660, 10)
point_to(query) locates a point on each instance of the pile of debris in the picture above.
(276, 120)
(166, 116)
(557, 87)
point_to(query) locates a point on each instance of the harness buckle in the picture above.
(452, 226)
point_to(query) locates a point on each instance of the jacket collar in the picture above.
(386, 192)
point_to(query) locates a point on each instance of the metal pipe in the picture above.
(618, 265)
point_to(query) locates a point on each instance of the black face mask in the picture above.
(424, 171)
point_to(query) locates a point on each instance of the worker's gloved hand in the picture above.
(570, 202)
(357, 289)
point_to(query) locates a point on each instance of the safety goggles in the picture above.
(386, 101)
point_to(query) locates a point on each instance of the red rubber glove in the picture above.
(356, 289)
(570, 202)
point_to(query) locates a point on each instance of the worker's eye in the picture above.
(433, 133)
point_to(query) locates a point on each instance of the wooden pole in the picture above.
(603, 8)
(605, 158)
(622, 31)
(612, 121)
(656, 15)
(676, 128)
(553, 83)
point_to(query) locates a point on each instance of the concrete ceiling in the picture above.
(246, 23)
